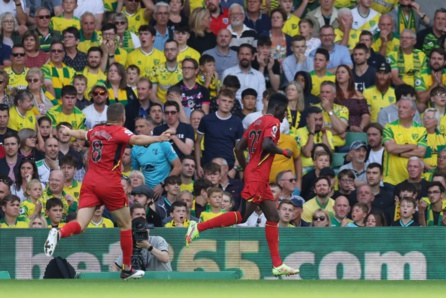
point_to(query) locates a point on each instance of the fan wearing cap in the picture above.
(297, 220)
(97, 112)
(358, 152)
(144, 196)
(381, 94)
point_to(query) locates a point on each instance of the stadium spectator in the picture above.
(96, 113)
(322, 188)
(364, 75)
(365, 17)
(20, 114)
(71, 187)
(172, 189)
(346, 183)
(326, 13)
(228, 182)
(359, 213)
(430, 210)
(285, 212)
(17, 71)
(201, 187)
(9, 165)
(358, 151)
(159, 164)
(255, 18)
(386, 40)
(201, 37)
(224, 56)
(320, 218)
(51, 160)
(297, 61)
(27, 171)
(11, 209)
(288, 184)
(144, 196)
(55, 190)
(73, 58)
(5, 189)
(178, 215)
(187, 173)
(341, 209)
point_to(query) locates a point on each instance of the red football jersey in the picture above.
(259, 165)
(107, 145)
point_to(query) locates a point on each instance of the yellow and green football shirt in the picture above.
(435, 143)
(93, 79)
(47, 194)
(20, 223)
(213, 86)
(85, 44)
(27, 208)
(17, 80)
(312, 205)
(423, 79)
(104, 223)
(18, 121)
(377, 100)
(121, 56)
(384, 6)
(408, 66)
(188, 52)
(135, 20)
(110, 5)
(58, 76)
(342, 113)
(145, 61)
(207, 215)
(189, 187)
(164, 79)
(391, 46)
(196, 4)
(291, 26)
(60, 23)
(73, 190)
(76, 118)
(395, 167)
(172, 224)
(317, 81)
(353, 37)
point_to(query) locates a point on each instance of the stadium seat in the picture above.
(338, 160)
(355, 136)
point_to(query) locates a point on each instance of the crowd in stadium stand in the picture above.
(366, 119)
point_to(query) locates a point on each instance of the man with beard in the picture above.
(166, 74)
(219, 16)
(363, 74)
(97, 112)
(431, 77)
(381, 94)
(431, 37)
(407, 62)
(156, 114)
(222, 53)
(9, 165)
(322, 188)
(375, 59)
(187, 173)
(93, 71)
(241, 34)
(248, 77)
(140, 107)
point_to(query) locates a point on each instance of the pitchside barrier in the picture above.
(417, 253)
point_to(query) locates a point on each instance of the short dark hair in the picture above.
(9, 198)
(277, 99)
(308, 21)
(297, 38)
(212, 168)
(231, 81)
(246, 45)
(173, 179)
(436, 183)
(366, 33)
(191, 60)
(95, 49)
(227, 93)
(375, 125)
(170, 103)
(375, 165)
(67, 160)
(249, 91)
(323, 52)
(206, 59)
(346, 172)
(404, 89)
(264, 41)
(115, 111)
(440, 51)
(322, 178)
(201, 184)
(136, 206)
(361, 46)
(73, 30)
(314, 110)
(11, 134)
(68, 90)
(53, 202)
(326, 149)
(178, 204)
(147, 28)
(109, 26)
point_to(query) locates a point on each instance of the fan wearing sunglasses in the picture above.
(46, 35)
(17, 71)
(97, 112)
(320, 219)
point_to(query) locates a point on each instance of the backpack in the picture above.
(59, 268)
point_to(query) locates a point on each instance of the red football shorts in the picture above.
(257, 191)
(113, 197)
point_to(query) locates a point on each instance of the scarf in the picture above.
(127, 42)
(417, 63)
(403, 23)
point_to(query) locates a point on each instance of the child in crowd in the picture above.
(291, 25)
(408, 207)
(215, 195)
(80, 82)
(66, 19)
(207, 76)
(37, 221)
(359, 213)
(178, 212)
(98, 221)
(212, 172)
(249, 100)
(181, 36)
(54, 213)
(200, 203)
(227, 201)
(276, 190)
(306, 30)
(376, 219)
(32, 205)
(133, 72)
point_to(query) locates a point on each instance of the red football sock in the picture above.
(127, 247)
(272, 237)
(70, 229)
(224, 220)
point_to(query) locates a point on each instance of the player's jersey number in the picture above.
(96, 152)
(254, 136)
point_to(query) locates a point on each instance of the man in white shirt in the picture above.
(248, 76)
(97, 112)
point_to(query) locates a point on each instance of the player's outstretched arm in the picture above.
(239, 151)
(143, 140)
(269, 146)
(77, 134)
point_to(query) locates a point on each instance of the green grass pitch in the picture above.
(217, 289)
